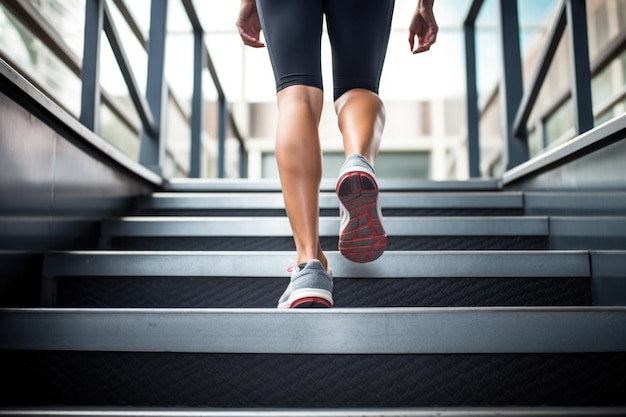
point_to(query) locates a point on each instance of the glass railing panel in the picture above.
(38, 63)
(135, 52)
(178, 139)
(68, 19)
(559, 127)
(112, 81)
(140, 10)
(535, 18)
(607, 25)
(552, 115)
(118, 133)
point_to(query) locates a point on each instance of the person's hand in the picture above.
(249, 25)
(423, 27)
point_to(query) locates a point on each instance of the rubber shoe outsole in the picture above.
(362, 238)
(309, 302)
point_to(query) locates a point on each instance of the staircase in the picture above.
(469, 312)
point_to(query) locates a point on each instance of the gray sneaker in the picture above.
(362, 237)
(310, 286)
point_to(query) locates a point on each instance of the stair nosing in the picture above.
(328, 184)
(148, 226)
(397, 264)
(222, 200)
(345, 331)
(511, 411)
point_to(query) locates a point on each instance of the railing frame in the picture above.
(571, 14)
(90, 94)
(152, 143)
(473, 140)
(151, 107)
(512, 84)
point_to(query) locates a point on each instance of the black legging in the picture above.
(358, 32)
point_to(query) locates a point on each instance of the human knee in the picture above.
(298, 96)
(360, 98)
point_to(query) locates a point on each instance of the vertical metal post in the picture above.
(243, 161)
(152, 146)
(511, 87)
(581, 72)
(473, 143)
(221, 137)
(196, 107)
(90, 75)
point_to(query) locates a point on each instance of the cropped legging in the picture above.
(358, 32)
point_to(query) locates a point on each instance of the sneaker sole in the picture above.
(363, 239)
(310, 302)
(308, 298)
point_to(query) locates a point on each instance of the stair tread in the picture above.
(512, 411)
(257, 200)
(326, 331)
(327, 184)
(328, 226)
(397, 264)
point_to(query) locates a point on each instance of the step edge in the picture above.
(317, 412)
(347, 331)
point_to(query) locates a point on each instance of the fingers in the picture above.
(424, 40)
(249, 25)
(423, 27)
(248, 38)
(424, 43)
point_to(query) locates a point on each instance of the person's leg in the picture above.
(299, 159)
(358, 57)
(292, 31)
(361, 119)
(359, 34)
(293, 35)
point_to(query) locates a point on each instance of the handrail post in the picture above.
(581, 72)
(90, 74)
(152, 146)
(221, 137)
(511, 87)
(195, 154)
(243, 161)
(473, 143)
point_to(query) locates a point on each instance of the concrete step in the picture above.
(314, 412)
(274, 233)
(327, 185)
(485, 330)
(134, 226)
(397, 264)
(198, 279)
(392, 203)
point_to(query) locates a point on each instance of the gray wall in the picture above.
(54, 189)
(585, 199)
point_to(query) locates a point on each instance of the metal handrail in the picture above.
(541, 70)
(473, 144)
(118, 50)
(32, 19)
(571, 14)
(224, 114)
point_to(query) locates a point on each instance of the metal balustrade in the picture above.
(98, 19)
(570, 18)
(517, 105)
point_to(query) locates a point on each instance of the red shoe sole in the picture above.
(363, 239)
(310, 302)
